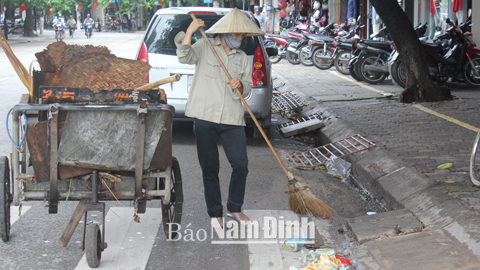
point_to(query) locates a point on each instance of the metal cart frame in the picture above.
(167, 183)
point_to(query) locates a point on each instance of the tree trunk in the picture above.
(9, 14)
(232, 3)
(420, 87)
(28, 23)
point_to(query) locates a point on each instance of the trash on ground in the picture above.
(325, 262)
(338, 167)
(291, 246)
(371, 213)
(445, 166)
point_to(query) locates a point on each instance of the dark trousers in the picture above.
(234, 143)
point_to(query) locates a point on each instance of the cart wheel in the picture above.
(93, 245)
(4, 199)
(172, 213)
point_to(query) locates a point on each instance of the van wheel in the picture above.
(265, 124)
(257, 135)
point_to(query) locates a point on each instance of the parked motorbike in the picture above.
(297, 40)
(98, 26)
(459, 58)
(280, 42)
(343, 49)
(304, 49)
(15, 27)
(369, 61)
(59, 32)
(324, 50)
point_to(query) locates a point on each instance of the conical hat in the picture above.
(235, 22)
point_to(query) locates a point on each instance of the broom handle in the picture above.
(287, 173)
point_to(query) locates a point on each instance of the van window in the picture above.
(161, 33)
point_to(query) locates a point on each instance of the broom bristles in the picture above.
(301, 201)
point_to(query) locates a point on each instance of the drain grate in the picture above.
(278, 86)
(320, 155)
(301, 120)
(286, 103)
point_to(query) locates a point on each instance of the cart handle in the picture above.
(149, 86)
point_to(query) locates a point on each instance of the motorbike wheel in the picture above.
(398, 73)
(341, 62)
(303, 56)
(371, 77)
(57, 36)
(471, 71)
(275, 59)
(353, 71)
(292, 58)
(319, 58)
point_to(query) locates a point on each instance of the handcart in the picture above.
(91, 152)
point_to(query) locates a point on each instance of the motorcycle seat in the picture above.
(277, 36)
(431, 45)
(320, 37)
(378, 44)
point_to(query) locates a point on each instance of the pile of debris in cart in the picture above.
(80, 74)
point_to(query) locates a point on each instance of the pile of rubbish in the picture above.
(89, 66)
(318, 258)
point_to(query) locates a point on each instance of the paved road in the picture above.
(412, 141)
(34, 236)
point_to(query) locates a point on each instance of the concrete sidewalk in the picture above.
(434, 217)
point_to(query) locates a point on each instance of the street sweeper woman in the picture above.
(217, 109)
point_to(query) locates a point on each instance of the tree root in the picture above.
(429, 92)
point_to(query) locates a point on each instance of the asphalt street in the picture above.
(432, 218)
(34, 236)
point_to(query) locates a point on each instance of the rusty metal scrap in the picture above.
(91, 67)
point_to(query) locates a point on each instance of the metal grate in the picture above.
(278, 85)
(320, 155)
(286, 103)
(301, 120)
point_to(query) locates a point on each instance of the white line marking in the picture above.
(129, 243)
(14, 213)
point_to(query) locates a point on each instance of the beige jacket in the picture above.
(211, 98)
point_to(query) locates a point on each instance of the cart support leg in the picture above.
(72, 224)
(53, 197)
(141, 202)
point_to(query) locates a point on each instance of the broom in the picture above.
(300, 200)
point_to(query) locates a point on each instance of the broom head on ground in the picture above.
(301, 201)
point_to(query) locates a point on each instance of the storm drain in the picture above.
(301, 125)
(286, 103)
(278, 86)
(320, 155)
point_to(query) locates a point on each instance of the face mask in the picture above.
(231, 42)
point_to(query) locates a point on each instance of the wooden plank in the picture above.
(72, 224)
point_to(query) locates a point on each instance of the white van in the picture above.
(159, 50)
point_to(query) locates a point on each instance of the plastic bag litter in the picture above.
(338, 167)
(325, 262)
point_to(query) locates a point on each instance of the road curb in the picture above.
(398, 186)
